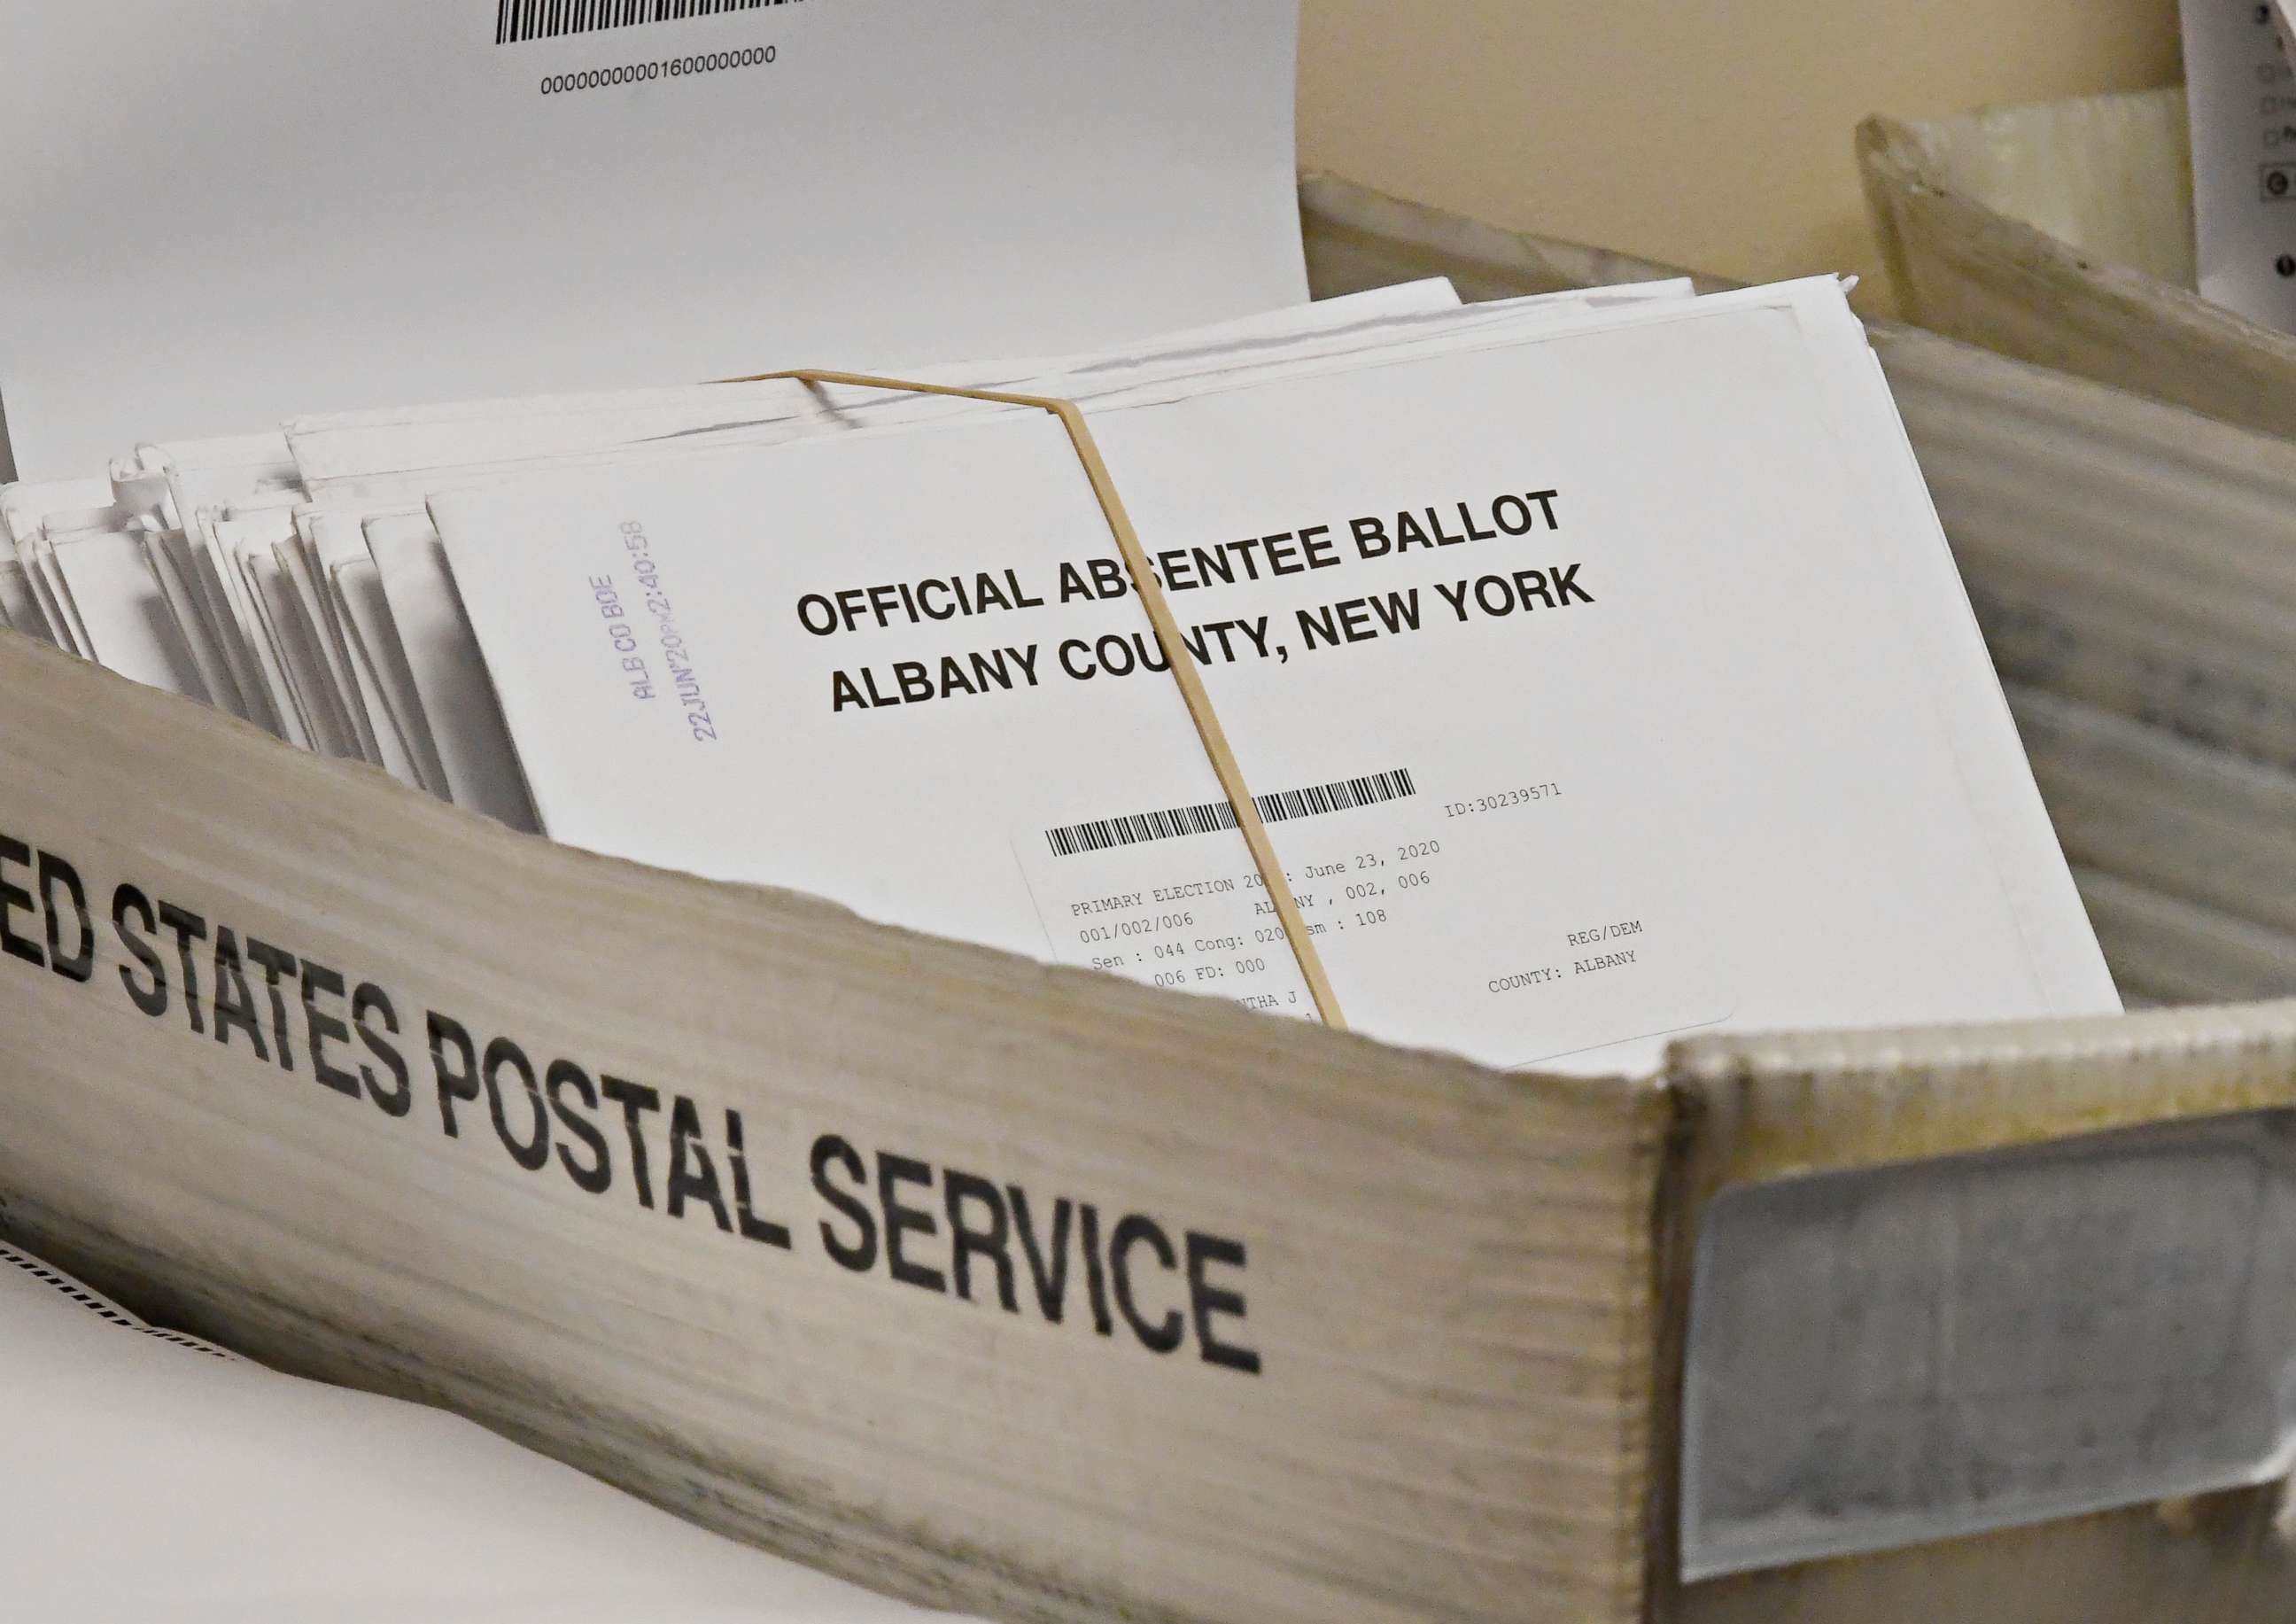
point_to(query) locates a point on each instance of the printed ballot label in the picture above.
(1449, 913)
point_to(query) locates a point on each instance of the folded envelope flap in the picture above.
(1019, 1289)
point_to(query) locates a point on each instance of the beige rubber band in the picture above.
(1168, 636)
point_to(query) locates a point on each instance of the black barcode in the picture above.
(523, 19)
(1214, 816)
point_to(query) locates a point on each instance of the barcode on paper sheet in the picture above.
(1213, 816)
(518, 20)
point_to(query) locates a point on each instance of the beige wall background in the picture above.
(1708, 133)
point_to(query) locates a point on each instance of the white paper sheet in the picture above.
(18, 607)
(125, 617)
(154, 1482)
(481, 771)
(227, 210)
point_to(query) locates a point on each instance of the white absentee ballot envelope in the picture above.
(1601, 683)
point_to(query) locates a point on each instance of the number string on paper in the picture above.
(1168, 634)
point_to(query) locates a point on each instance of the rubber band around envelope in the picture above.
(1168, 634)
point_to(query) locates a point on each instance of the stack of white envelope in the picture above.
(294, 579)
(1597, 660)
